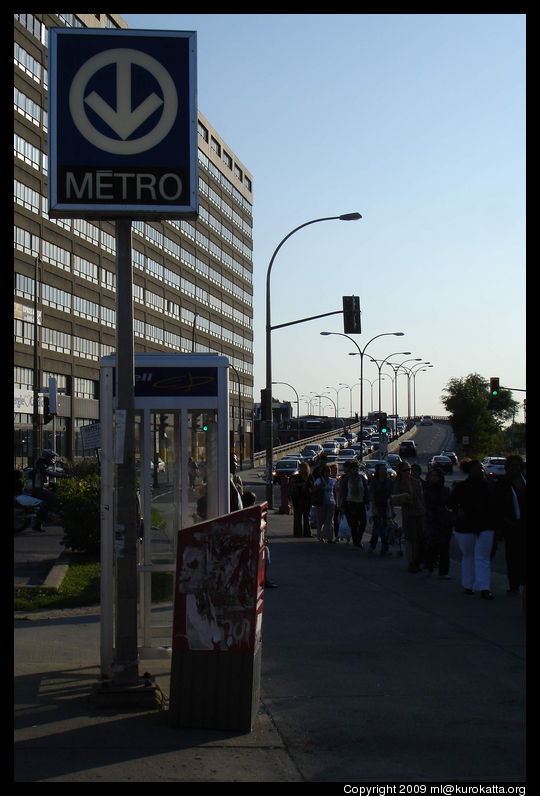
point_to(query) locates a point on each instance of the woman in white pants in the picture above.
(473, 502)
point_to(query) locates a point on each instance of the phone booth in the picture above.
(182, 465)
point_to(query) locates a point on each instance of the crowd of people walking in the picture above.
(422, 514)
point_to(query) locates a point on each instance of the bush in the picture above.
(79, 510)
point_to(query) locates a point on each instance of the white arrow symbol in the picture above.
(123, 120)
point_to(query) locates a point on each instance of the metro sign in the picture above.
(123, 123)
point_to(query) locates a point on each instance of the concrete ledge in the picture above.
(57, 573)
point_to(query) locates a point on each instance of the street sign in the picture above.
(123, 123)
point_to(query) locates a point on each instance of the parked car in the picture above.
(160, 465)
(285, 467)
(441, 462)
(407, 448)
(451, 455)
(494, 466)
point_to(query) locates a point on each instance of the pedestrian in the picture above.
(512, 520)
(334, 473)
(355, 498)
(325, 512)
(416, 472)
(382, 511)
(236, 484)
(192, 472)
(439, 522)
(407, 493)
(300, 488)
(473, 502)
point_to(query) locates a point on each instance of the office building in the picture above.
(192, 279)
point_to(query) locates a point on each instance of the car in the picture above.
(311, 452)
(426, 420)
(494, 466)
(451, 455)
(375, 441)
(160, 465)
(444, 463)
(372, 464)
(407, 448)
(358, 448)
(343, 442)
(394, 460)
(285, 467)
(348, 453)
(330, 447)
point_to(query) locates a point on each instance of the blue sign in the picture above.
(123, 123)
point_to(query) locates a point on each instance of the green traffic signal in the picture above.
(494, 386)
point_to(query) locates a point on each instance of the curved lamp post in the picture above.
(297, 406)
(380, 363)
(361, 352)
(268, 393)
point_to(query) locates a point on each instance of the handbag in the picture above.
(448, 518)
(317, 496)
(344, 531)
(400, 499)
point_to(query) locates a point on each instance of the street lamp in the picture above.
(379, 366)
(361, 352)
(268, 394)
(395, 367)
(297, 406)
(421, 368)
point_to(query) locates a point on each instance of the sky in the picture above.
(417, 122)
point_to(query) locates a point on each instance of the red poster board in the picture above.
(219, 583)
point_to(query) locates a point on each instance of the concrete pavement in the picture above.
(369, 674)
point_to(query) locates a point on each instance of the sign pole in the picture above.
(127, 664)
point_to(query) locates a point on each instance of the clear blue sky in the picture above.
(417, 121)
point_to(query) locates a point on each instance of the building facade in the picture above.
(192, 279)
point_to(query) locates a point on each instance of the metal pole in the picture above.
(126, 667)
(35, 415)
(268, 394)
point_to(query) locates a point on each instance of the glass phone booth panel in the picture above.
(182, 468)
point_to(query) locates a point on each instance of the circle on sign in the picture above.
(123, 117)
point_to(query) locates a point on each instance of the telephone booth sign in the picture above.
(181, 407)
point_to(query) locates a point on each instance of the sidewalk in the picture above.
(369, 674)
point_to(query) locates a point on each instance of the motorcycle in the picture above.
(24, 511)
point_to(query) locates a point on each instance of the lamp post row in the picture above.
(267, 402)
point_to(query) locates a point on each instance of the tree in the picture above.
(474, 414)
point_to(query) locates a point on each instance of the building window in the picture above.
(203, 132)
(215, 145)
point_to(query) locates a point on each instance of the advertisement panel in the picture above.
(219, 584)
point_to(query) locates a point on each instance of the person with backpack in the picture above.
(354, 499)
(299, 490)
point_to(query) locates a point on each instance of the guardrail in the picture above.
(259, 458)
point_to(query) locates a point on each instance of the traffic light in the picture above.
(163, 426)
(47, 414)
(351, 315)
(493, 386)
(383, 423)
